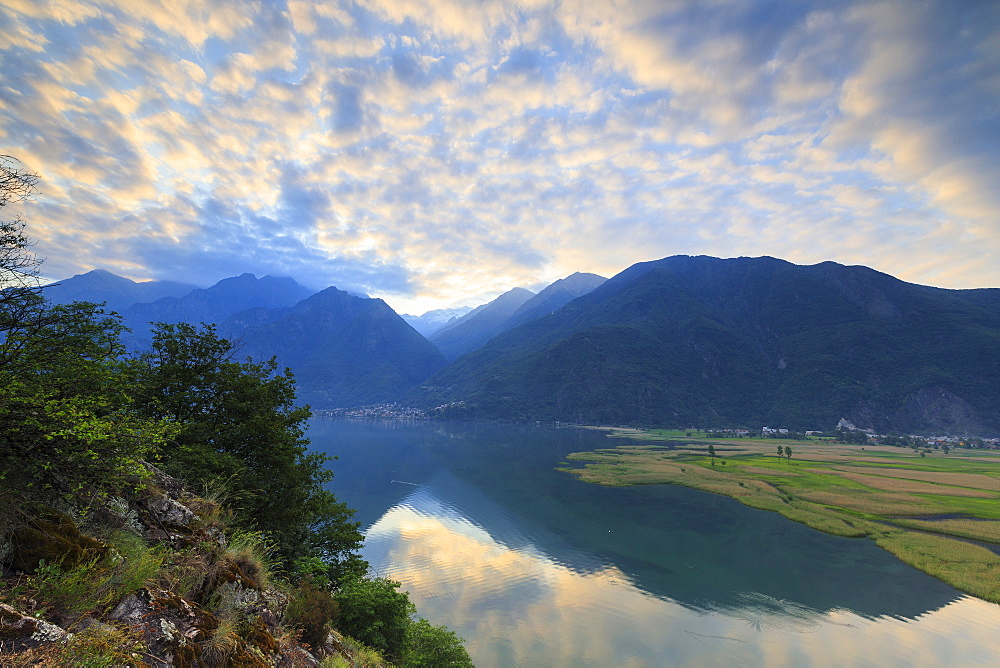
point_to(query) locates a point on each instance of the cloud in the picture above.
(424, 151)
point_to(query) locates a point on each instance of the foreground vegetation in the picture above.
(110, 557)
(938, 512)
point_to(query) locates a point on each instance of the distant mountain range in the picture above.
(432, 321)
(214, 304)
(748, 341)
(344, 350)
(675, 342)
(510, 309)
(116, 292)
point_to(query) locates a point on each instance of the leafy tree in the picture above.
(22, 308)
(67, 418)
(375, 613)
(711, 452)
(781, 451)
(788, 453)
(433, 646)
(237, 421)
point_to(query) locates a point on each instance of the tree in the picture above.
(375, 613)
(22, 308)
(781, 452)
(238, 421)
(67, 418)
(788, 453)
(711, 452)
(433, 647)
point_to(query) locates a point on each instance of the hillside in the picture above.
(480, 324)
(344, 350)
(747, 341)
(552, 298)
(214, 304)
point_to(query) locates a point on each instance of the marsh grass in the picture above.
(908, 485)
(839, 489)
(968, 567)
(971, 481)
(983, 530)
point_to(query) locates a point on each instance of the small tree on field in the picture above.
(788, 452)
(781, 452)
(711, 452)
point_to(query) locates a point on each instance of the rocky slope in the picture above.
(149, 580)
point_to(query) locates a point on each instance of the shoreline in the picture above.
(929, 512)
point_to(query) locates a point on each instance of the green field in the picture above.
(938, 512)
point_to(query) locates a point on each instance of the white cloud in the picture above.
(462, 148)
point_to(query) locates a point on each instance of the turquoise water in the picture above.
(534, 568)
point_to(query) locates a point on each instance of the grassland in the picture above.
(938, 512)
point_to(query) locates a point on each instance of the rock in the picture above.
(20, 632)
(170, 626)
(293, 656)
(169, 484)
(168, 513)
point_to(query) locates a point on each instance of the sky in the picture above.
(433, 152)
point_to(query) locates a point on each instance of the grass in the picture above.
(96, 584)
(924, 510)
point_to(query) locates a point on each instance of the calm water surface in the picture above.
(534, 568)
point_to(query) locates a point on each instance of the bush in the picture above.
(310, 610)
(375, 613)
(434, 647)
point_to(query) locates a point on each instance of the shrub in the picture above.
(375, 613)
(434, 647)
(310, 610)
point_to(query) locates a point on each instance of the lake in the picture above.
(535, 568)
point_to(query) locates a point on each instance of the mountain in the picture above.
(748, 341)
(344, 350)
(430, 322)
(554, 297)
(479, 325)
(214, 304)
(509, 310)
(117, 292)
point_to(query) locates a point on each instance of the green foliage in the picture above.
(434, 646)
(98, 583)
(374, 612)
(238, 420)
(65, 385)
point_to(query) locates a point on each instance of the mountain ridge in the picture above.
(699, 340)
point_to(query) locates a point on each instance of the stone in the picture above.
(20, 632)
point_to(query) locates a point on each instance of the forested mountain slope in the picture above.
(344, 350)
(747, 341)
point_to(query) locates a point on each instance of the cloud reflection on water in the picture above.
(515, 605)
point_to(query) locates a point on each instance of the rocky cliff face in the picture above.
(146, 580)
